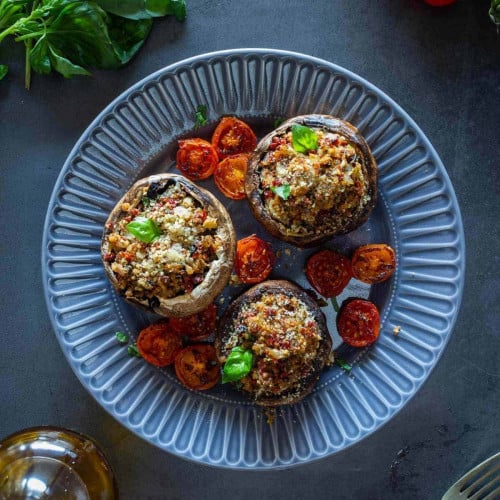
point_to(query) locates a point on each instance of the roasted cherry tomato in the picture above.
(358, 322)
(198, 326)
(197, 366)
(229, 176)
(158, 344)
(439, 3)
(196, 159)
(328, 272)
(373, 263)
(254, 259)
(232, 136)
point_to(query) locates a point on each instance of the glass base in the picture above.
(48, 462)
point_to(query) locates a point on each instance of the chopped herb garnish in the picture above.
(237, 365)
(282, 191)
(304, 139)
(133, 351)
(335, 304)
(200, 117)
(3, 70)
(121, 337)
(343, 364)
(146, 201)
(144, 229)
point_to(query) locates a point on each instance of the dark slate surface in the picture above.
(443, 67)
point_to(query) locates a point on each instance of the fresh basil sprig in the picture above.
(144, 229)
(282, 191)
(304, 139)
(71, 37)
(237, 365)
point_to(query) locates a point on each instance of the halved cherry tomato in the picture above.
(358, 322)
(198, 326)
(158, 344)
(196, 159)
(229, 176)
(197, 366)
(233, 136)
(254, 259)
(373, 263)
(328, 272)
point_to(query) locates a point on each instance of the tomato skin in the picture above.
(198, 326)
(329, 272)
(233, 136)
(158, 344)
(358, 322)
(197, 367)
(254, 259)
(439, 3)
(229, 176)
(373, 263)
(196, 158)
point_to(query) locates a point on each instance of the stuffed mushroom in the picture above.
(312, 178)
(168, 246)
(281, 334)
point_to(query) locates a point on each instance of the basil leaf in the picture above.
(65, 66)
(304, 139)
(145, 9)
(144, 229)
(133, 351)
(3, 70)
(121, 337)
(200, 117)
(237, 365)
(343, 364)
(282, 191)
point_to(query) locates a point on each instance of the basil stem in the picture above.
(144, 229)
(335, 304)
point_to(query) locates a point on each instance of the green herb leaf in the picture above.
(335, 304)
(144, 229)
(145, 9)
(3, 70)
(304, 139)
(133, 351)
(238, 364)
(282, 191)
(121, 337)
(343, 364)
(200, 117)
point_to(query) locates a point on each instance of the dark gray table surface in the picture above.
(443, 67)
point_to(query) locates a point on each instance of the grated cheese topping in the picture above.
(328, 179)
(177, 260)
(284, 338)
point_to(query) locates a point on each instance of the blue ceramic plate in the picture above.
(417, 214)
